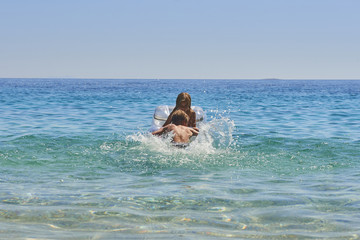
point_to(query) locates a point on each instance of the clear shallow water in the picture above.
(275, 160)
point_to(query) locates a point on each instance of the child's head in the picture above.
(183, 100)
(179, 117)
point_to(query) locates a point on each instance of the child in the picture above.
(183, 102)
(178, 126)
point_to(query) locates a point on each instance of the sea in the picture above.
(275, 159)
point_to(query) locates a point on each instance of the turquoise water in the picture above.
(276, 159)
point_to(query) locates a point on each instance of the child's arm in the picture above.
(194, 131)
(161, 130)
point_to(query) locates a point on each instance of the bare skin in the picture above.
(182, 133)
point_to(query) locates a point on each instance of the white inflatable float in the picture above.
(162, 113)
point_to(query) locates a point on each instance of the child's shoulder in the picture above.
(170, 126)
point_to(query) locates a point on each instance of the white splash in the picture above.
(214, 136)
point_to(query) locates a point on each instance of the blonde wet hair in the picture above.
(181, 98)
(179, 116)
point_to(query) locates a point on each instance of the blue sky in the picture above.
(222, 39)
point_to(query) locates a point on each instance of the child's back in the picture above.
(181, 131)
